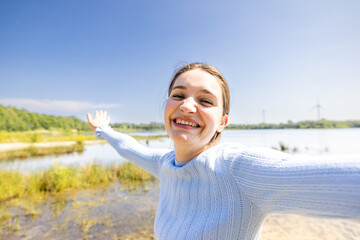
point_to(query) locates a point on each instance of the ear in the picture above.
(223, 123)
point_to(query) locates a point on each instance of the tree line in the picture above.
(299, 125)
(125, 127)
(13, 119)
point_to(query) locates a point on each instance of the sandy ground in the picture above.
(294, 227)
(14, 146)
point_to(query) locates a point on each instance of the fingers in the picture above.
(104, 117)
(90, 121)
(102, 114)
(89, 117)
(100, 118)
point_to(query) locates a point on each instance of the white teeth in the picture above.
(183, 122)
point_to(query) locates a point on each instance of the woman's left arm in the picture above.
(326, 186)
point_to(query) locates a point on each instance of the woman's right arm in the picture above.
(127, 146)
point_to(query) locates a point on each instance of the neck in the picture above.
(186, 153)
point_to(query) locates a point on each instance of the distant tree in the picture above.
(13, 119)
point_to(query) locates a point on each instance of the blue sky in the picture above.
(72, 57)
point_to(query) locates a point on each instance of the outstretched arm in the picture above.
(147, 158)
(326, 186)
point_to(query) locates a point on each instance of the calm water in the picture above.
(313, 141)
(102, 213)
(307, 141)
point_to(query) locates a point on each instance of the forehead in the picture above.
(198, 80)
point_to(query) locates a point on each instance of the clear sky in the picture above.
(71, 57)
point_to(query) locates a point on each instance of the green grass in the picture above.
(13, 184)
(21, 194)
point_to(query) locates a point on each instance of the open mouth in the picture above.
(185, 123)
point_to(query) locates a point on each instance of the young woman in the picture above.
(225, 191)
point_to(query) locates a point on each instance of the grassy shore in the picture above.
(27, 191)
(33, 151)
(14, 184)
(55, 136)
(31, 139)
(44, 136)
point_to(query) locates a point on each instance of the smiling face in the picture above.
(194, 110)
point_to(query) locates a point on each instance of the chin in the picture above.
(180, 138)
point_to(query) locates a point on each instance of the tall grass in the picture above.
(21, 194)
(13, 184)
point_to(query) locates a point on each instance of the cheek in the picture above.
(170, 107)
(214, 118)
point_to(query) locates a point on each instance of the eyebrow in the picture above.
(202, 90)
(179, 87)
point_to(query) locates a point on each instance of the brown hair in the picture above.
(221, 80)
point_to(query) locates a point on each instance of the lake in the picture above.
(111, 211)
(303, 141)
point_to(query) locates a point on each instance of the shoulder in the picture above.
(168, 156)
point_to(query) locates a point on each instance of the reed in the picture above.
(21, 194)
(13, 184)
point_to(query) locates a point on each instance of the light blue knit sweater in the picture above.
(227, 191)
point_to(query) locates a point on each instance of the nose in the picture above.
(188, 106)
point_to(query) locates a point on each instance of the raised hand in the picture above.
(100, 119)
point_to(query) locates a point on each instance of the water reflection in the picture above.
(105, 212)
(305, 141)
(100, 153)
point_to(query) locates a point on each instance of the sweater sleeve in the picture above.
(325, 186)
(148, 159)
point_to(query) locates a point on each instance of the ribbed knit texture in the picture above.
(227, 191)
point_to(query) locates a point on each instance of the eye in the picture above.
(206, 102)
(177, 96)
